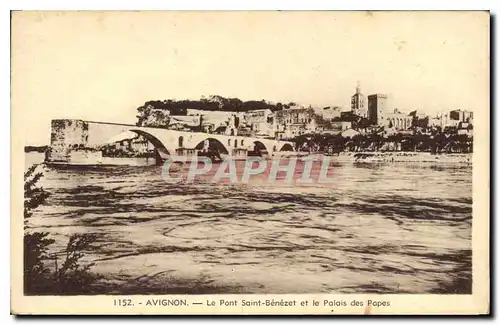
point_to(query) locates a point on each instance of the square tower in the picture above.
(376, 108)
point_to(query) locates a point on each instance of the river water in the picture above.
(377, 228)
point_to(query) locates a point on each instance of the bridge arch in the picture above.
(212, 143)
(286, 147)
(157, 143)
(162, 150)
(259, 146)
(165, 141)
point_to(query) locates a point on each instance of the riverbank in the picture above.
(409, 157)
(392, 157)
(347, 157)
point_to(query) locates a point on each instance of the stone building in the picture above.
(331, 112)
(339, 125)
(419, 119)
(398, 120)
(460, 115)
(127, 144)
(261, 122)
(377, 105)
(295, 115)
(443, 120)
(184, 122)
(141, 145)
(295, 121)
(232, 125)
(358, 103)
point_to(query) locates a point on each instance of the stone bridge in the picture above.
(78, 140)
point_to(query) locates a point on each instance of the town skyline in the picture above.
(345, 106)
(390, 107)
(102, 66)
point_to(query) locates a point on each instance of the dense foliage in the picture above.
(212, 103)
(438, 142)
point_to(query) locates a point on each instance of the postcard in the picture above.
(250, 163)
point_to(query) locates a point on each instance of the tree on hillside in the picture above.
(212, 103)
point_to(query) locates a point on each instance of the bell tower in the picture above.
(358, 103)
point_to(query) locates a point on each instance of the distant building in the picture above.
(293, 130)
(358, 103)
(443, 120)
(261, 122)
(460, 115)
(141, 145)
(419, 119)
(356, 121)
(294, 115)
(232, 126)
(417, 114)
(330, 113)
(295, 121)
(340, 126)
(436, 121)
(398, 120)
(207, 127)
(465, 128)
(245, 131)
(376, 109)
(221, 129)
(130, 144)
(348, 116)
(179, 122)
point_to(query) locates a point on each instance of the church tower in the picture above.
(358, 103)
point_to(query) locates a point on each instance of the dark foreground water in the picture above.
(393, 228)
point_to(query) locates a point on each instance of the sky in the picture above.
(101, 66)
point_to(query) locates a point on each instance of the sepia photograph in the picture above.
(285, 154)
